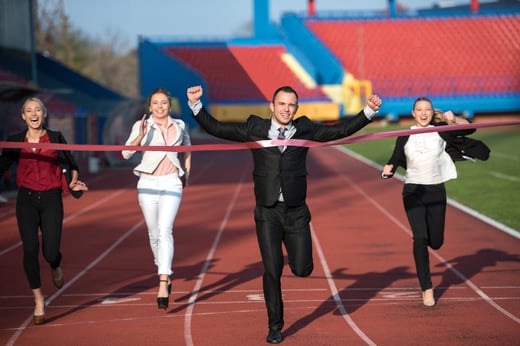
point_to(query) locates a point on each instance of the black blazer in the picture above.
(65, 159)
(458, 146)
(273, 169)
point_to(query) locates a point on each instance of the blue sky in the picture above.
(200, 19)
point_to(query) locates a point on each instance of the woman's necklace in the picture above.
(32, 138)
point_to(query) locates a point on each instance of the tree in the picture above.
(56, 37)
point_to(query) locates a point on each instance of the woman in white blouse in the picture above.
(428, 165)
(160, 186)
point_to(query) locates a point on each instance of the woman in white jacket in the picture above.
(428, 159)
(160, 187)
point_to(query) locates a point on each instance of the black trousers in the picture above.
(39, 210)
(425, 207)
(290, 226)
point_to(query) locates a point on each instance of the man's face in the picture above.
(284, 107)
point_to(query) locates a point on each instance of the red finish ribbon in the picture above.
(257, 144)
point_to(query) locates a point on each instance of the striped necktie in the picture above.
(281, 135)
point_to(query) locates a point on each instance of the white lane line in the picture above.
(451, 202)
(505, 156)
(253, 292)
(73, 216)
(229, 312)
(334, 291)
(475, 288)
(77, 277)
(209, 258)
(439, 257)
(503, 176)
(13, 194)
(117, 300)
(7, 213)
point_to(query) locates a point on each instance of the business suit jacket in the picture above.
(272, 169)
(64, 158)
(458, 146)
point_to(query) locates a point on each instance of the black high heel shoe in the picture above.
(162, 302)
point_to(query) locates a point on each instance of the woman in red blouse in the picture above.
(42, 175)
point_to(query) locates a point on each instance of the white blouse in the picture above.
(427, 162)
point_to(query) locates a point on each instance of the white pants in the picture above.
(160, 198)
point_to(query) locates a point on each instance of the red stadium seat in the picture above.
(443, 54)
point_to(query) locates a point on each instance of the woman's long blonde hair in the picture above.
(438, 116)
(42, 105)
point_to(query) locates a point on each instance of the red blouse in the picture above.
(38, 169)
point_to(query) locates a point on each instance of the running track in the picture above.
(363, 289)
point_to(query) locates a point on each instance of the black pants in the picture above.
(425, 207)
(39, 210)
(290, 226)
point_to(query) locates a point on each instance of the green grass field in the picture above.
(490, 187)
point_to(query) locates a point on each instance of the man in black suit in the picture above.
(280, 184)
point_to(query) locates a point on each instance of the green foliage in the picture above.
(99, 59)
(490, 187)
(56, 37)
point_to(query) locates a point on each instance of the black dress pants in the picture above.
(39, 210)
(290, 226)
(425, 207)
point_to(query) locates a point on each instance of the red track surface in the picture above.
(363, 289)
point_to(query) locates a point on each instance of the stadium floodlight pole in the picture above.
(474, 6)
(392, 8)
(311, 8)
(34, 67)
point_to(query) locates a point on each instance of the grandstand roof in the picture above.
(55, 78)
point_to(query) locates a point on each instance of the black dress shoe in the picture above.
(274, 337)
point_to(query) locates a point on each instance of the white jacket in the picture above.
(151, 159)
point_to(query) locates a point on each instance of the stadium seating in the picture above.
(226, 78)
(8, 76)
(243, 73)
(55, 105)
(265, 66)
(428, 56)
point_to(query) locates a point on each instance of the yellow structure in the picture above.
(355, 93)
(316, 111)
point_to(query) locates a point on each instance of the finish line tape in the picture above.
(256, 144)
